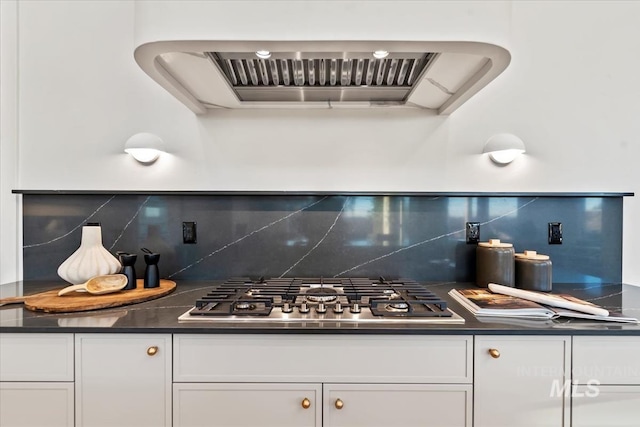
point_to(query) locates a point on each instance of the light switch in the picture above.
(189, 232)
(555, 233)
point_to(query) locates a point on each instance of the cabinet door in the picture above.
(521, 381)
(377, 405)
(250, 405)
(36, 404)
(611, 406)
(123, 380)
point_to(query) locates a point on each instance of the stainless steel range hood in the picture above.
(436, 76)
(321, 76)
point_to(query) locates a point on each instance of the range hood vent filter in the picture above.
(299, 76)
(435, 76)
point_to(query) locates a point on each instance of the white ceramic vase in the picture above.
(90, 260)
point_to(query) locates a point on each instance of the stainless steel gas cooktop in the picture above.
(320, 300)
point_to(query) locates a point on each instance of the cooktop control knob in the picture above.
(304, 308)
(321, 308)
(337, 308)
(286, 308)
(355, 308)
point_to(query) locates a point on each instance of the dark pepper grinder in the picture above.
(151, 273)
(128, 262)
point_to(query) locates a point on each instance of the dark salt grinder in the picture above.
(151, 273)
(128, 262)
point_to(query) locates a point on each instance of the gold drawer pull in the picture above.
(494, 353)
(339, 404)
(306, 403)
(153, 350)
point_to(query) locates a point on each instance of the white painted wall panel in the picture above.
(9, 203)
(323, 20)
(570, 93)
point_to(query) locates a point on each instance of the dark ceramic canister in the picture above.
(533, 271)
(128, 262)
(495, 263)
(151, 272)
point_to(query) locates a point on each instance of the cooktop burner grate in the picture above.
(321, 300)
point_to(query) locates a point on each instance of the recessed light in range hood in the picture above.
(435, 76)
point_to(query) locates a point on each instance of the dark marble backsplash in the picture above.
(413, 236)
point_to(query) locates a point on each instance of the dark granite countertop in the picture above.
(161, 316)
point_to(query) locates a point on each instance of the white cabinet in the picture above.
(606, 378)
(123, 380)
(328, 405)
(372, 405)
(190, 380)
(36, 357)
(247, 404)
(433, 359)
(36, 380)
(36, 404)
(611, 406)
(354, 380)
(520, 381)
(608, 360)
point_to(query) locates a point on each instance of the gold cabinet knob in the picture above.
(151, 351)
(494, 353)
(339, 404)
(306, 403)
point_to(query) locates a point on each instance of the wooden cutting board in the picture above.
(50, 302)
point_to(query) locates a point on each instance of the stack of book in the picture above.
(503, 301)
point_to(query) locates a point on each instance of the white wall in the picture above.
(571, 93)
(9, 203)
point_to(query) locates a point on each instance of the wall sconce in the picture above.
(503, 148)
(144, 147)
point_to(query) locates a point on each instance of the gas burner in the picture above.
(398, 307)
(391, 294)
(321, 294)
(243, 305)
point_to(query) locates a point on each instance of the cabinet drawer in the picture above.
(295, 358)
(608, 360)
(36, 404)
(366, 405)
(609, 405)
(277, 405)
(36, 357)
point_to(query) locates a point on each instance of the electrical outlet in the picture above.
(555, 233)
(473, 232)
(189, 234)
